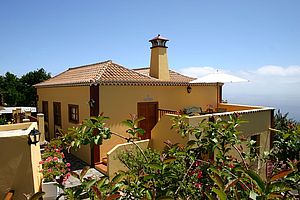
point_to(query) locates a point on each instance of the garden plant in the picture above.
(218, 164)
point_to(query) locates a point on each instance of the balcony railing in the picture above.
(162, 112)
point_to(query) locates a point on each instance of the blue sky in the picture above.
(257, 39)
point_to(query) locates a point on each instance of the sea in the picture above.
(286, 103)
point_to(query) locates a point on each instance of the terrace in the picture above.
(258, 120)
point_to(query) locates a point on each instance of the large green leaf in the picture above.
(218, 180)
(155, 166)
(90, 183)
(221, 194)
(148, 195)
(257, 179)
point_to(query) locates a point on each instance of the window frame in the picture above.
(45, 110)
(57, 113)
(73, 116)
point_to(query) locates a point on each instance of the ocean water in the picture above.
(283, 102)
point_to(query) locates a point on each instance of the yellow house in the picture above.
(84, 91)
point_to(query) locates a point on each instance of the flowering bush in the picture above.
(53, 163)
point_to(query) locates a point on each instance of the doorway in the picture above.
(149, 110)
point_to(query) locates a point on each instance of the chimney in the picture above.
(159, 60)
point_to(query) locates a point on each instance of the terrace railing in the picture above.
(162, 112)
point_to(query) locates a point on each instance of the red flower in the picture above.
(199, 175)
(231, 166)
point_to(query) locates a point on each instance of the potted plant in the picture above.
(54, 169)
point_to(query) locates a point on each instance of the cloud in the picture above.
(279, 71)
(264, 74)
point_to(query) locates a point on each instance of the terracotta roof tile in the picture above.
(174, 76)
(110, 73)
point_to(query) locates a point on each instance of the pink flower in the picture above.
(198, 185)
(49, 159)
(57, 150)
(41, 162)
(68, 164)
(62, 155)
(49, 170)
(199, 175)
(55, 158)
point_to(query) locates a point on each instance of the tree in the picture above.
(10, 88)
(20, 91)
(30, 79)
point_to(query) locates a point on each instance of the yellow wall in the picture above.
(257, 123)
(162, 132)
(19, 170)
(114, 164)
(236, 107)
(117, 102)
(79, 95)
(159, 63)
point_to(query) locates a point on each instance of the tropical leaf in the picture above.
(97, 192)
(209, 196)
(113, 196)
(230, 184)
(218, 180)
(257, 179)
(155, 166)
(148, 195)
(281, 174)
(221, 194)
(90, 183)
(76, 175)
(83, 172)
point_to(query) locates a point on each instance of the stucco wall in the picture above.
(163, 132)
(19, 169)
(114, 164)
(257, 122)
(117, 102)
(80, 96)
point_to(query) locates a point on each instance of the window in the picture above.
(45, 110)
(57, 113)
(73, 113)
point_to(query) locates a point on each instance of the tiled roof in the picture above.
(174, 76)
(110, 73)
